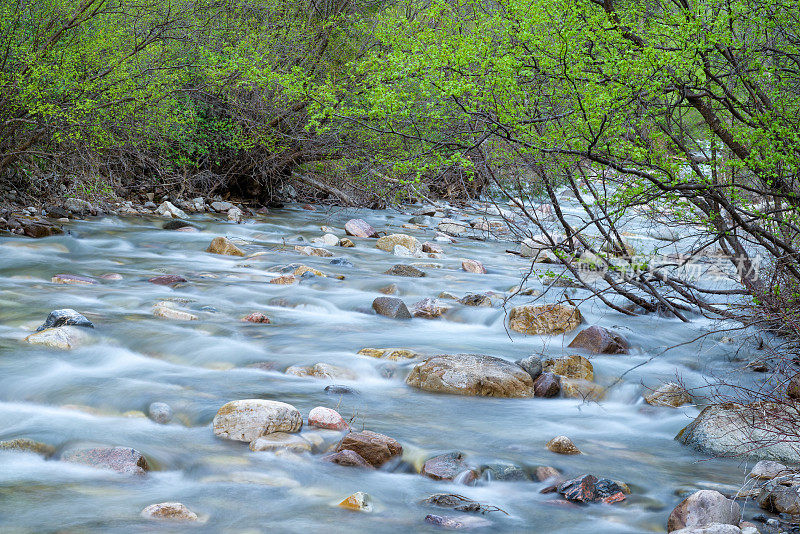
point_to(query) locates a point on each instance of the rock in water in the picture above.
(322, 417)
(447, 467)
(562, 445)
(235, 215)
(737, 430)
(359, 228)
(65, 317)
(476, 299)
(169, 510)
(376, 449)
(280, 441)
(570, 367)
(767, 470)
(359, 501)
(256, 317)
(547, 385)
(391, 307)
(588, 489)
(248, 419)
(703, 508)
(387, 243)
(167, 280)
(532, 365)
(223, 246)
(669, 394)
(167, 209)
(61, 337)
(473, 266)
(347, 458)
(429, 309)
(471, 374)
(405, 270)
(321, 370)
(120, 459)
(457, 522)
(599, 340)
(73, 279)
(548, 319)
(27, 445)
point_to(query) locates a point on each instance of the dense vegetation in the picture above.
(691, 104)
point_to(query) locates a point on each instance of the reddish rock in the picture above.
(308, 207)
(322, 417)
(473, 266)
(545, 472)
(167, 279)
(547, 385)
(588, 489)
(256, 317)
(347, 458)
(447, 467)
(359, 228)
(375, 448)
(120, 459)
(702, 508)
(599, 340)
(432, 248)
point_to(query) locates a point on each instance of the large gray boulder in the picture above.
(471, 374)
(248, 419)
(743, 431)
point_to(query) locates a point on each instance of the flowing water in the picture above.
(69, 398)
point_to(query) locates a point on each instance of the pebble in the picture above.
(562, 445)
(160, 412)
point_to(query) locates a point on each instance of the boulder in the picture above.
(778, 498)
(167, 209)
(174, 511)
(387, 243)
(505, 472)
(545, 472)
(562, 445)
(35, 227)
(77, 205)
(703, 508)
(548, 319)
(347, 458)
(428, 309)
(359, 228)
(573, 366)
(359, 501)
(752, 431)
(321, 417)
(471, 374)
(221, 206)
(405, 270)
(160, 412)
(767, 470)
(376, 449)
(27, 445)
(61, 337)
(73, 279)
(224, 246)
(280, 441)
(590, 489)
(235, 215)
(448, 466)
(669, 394)
(65, 317)
(599, 340)
(473, 266)
(547, 385)
(452, 227)
(432, 248)
(248, 419)
(303, 269)
(391, 307)
(120, 459)
(532, 365)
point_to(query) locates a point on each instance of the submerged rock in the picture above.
(457, 522)
(160, 412)
(548, 319)
(174, 511)
(359, 501)
(476, 299)
(347, 458)
(702, 508)
(65, 317)
(283, 441)
(120, 459)
(248, 419)
(224, 246)
(27, 445)
(73, 279)
(389, 354)
(599, 340)
(313, 251)
(471, 374)
(376, 449)
(573, 366)
(321, 370)
(169, 310)
(391, 307)
(405, 270)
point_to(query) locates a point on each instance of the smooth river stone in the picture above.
(548, 319)
(388, 242)
(322, 417)
(120, 459)
(174, 511)
(248, 419)
(392, 307)
(224, 247)
(65, 317)
(73, 279)
(471, 374)
(376, 449)
(359, 228)
(62, 337)
(599, 340)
